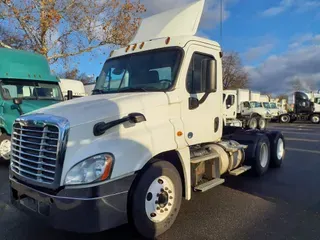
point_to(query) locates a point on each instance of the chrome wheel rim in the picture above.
(280, 148)
(264, 154)
(160, 199)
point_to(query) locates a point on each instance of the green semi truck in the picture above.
(26, 84)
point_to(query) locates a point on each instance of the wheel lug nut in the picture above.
(160, 181)
(171, 197)
(169, 204)
(166, 189)
(161, 211)
(158, 208)
(170, 191)
(166, 209)
(153, 214)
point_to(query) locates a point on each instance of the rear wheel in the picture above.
(262, 123)
(262, 156)
(315, 118)
(253, 123)
(285, 118)
(277, 151)
(155, 199)
(5, 147)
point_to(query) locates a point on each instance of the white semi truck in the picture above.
(72, 87)
(243, 108)
(140, 147)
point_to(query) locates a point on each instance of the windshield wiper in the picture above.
(97, 91)
(133, 89)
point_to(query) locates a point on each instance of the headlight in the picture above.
(93, 169)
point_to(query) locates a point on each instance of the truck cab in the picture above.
(151, 134)
(26, 84)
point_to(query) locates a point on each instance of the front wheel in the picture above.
(155, 199)
(5, 147)
(284, 118)
(277, 151)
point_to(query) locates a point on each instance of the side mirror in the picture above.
(69, 94)
(208, 72)
(97, 78)
(17, 101)
(193, 103)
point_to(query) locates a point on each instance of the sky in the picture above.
(278, 40)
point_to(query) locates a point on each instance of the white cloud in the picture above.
(307, 38)
(276, 73)
(211, 15)
(299, 6)
(259, 51)
(283, 6)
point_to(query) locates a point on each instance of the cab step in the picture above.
(240, 170)
(208, 185)
(203, 158)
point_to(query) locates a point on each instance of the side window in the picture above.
(195, 83)
(246, 104)
(230, 100)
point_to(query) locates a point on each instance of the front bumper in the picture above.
(82, 210)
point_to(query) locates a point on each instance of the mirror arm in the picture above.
(204, 98)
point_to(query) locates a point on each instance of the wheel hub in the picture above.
(163, 199)
(160, 199)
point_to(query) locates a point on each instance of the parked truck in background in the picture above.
(243, 108)
(75, 86)
(141, 146)
(306, 107)
(26, 84)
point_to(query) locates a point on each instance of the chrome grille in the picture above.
(34, 151)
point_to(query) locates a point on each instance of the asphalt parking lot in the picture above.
(284, 204)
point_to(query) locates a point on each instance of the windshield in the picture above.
(266, 105)
(146, 71)
(255, 104)
(273, 105)
(30, 90)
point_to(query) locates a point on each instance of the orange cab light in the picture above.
(111, 53)
(179, 133)
(134, 47)
(141, 45)
(168, 40)
(127, 49)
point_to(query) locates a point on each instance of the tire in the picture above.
(261, 161)
(253, 123)
(315, 118)
(285, 118)
(5, 147)
(155, 199)
(262, 123)
(277, 148)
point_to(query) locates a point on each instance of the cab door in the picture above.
(204, 122)
(230, 106)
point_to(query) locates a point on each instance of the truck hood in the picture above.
(31, 105)
(101, 107)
